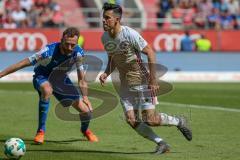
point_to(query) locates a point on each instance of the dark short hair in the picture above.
(71, 32)
(117, 9)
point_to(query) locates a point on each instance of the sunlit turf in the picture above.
(215, 132)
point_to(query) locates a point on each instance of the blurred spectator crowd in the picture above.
(193, 14)
(30, 13)
(203, 14)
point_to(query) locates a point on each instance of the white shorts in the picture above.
(137, 98)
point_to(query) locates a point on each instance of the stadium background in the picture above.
(213, 108)
(161, 22)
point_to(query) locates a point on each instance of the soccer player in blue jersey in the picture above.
(49, 79)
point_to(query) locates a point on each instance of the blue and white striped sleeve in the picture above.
(80, 57)
(35, 58)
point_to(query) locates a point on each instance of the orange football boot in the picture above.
(90, 136)
(39, 138)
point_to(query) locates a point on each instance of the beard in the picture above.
(106, 28)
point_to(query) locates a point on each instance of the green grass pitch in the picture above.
(213, 110)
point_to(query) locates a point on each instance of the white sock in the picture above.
(147, 132)
(168, 120)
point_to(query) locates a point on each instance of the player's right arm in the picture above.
(15, 67)
(110, 65)
(32, 60)
(109, 69)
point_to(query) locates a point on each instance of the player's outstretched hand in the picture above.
(103, 78)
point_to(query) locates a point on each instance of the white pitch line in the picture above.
(218, 108)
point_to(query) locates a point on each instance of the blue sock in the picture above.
(85, 120)
(43, 111)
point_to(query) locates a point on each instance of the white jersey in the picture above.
(125, 50)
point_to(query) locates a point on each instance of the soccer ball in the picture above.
(14, 148)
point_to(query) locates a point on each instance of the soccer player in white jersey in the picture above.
(124, 46)
(49, 79)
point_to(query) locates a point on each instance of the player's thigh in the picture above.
(127, 104)
(129, 99)
(146, 102)
(131, 118)
(130, 107)
(149, 114)
(146, 99)
(66, 100)
(42, 85)
(151, 117)
(67, 94)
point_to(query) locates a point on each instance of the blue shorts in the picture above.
(62, 90)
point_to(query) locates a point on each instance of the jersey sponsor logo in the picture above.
(110, 46)
(113, 47)
(170, 42)
(124, 46)
(22, 41)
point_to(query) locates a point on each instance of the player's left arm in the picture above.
(15, 67)
(152, 66)
(83, 83)
(141, 45)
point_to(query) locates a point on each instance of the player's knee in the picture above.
(47, 92)
(152, 123)
(132, 122)
(80, 107)
(131, 119)
(152, 120)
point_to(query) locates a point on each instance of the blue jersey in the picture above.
(50, 57)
